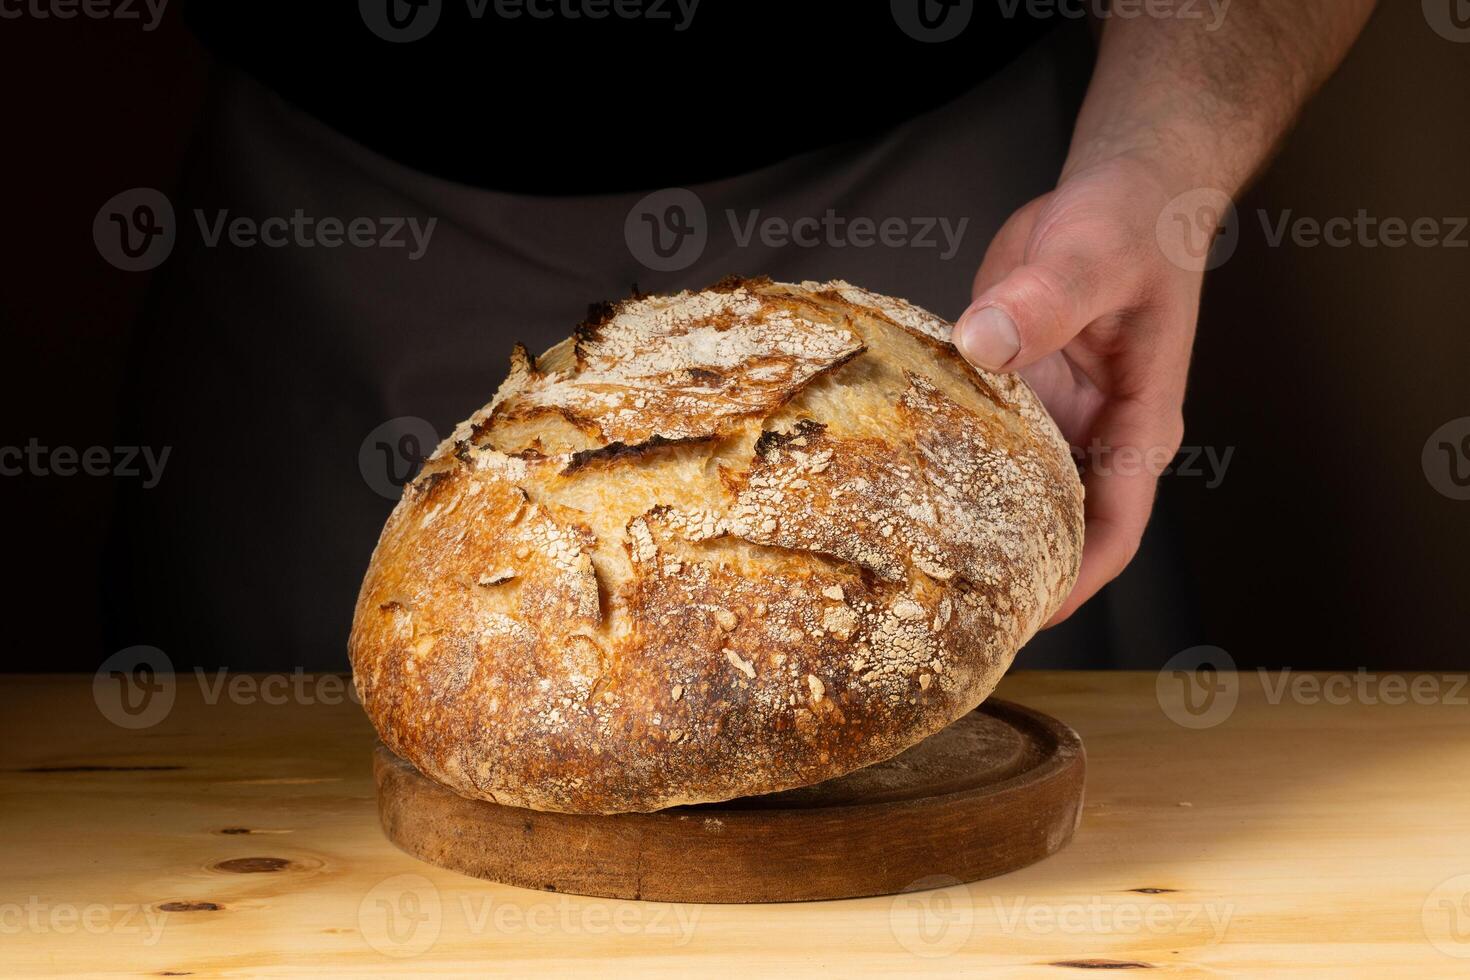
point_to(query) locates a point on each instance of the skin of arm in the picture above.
(1082, 290)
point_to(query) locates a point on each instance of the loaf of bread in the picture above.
(716, 544)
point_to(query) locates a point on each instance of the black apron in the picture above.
(296, 383)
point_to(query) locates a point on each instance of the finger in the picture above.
(1071, 397)
(1135, 441)
(1037, 307)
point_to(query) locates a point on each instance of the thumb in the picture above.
(1039, 306)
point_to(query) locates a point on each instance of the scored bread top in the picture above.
(719, 543)
(677, 368)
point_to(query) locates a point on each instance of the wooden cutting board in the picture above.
(998, 790)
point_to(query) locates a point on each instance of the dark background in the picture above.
(1326, 369)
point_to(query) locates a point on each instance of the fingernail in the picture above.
(987, 338)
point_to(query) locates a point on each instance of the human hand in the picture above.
(1085, 299)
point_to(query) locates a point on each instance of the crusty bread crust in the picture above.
(721, 543)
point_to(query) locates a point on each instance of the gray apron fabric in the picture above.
(266, 368)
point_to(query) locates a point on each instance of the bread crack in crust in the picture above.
(716, 544)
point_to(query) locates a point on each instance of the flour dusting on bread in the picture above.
(679, 368)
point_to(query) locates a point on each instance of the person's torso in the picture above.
(586, 96)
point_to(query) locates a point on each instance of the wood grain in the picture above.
(1324, 838)
(998, 790)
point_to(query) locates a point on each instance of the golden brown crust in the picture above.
(714, 549)
(680, 368)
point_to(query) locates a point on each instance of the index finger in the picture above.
(1133, 443)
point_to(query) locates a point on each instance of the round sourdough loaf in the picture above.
(716, 544)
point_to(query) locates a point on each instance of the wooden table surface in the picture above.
(1278, 831)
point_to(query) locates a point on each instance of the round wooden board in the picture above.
(997, 790)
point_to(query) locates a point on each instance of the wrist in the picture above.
(1176, 157)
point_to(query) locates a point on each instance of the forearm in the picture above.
(1210, 105)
